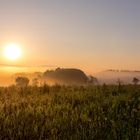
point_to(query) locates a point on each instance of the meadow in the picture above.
(70, 112)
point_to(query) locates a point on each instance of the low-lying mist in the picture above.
(65, 76)
(62, 76)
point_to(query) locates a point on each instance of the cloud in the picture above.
(26, 66)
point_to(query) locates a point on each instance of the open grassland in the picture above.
(75, 113)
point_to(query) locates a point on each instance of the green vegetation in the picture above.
(70, 112)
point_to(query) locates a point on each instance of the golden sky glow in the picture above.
(12, 52)
(91, 35)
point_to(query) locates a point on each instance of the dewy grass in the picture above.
(60, 112)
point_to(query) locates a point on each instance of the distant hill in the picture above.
(112, 76)
(71, 76)
(61, 76)
(66, 76)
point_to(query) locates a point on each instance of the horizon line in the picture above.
(26, 66)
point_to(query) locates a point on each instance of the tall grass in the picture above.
(61, 113)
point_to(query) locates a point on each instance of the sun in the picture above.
(12, 51)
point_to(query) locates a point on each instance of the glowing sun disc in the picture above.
(12, 52)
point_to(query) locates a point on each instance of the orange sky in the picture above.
(90, 35)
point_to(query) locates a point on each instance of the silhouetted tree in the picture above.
(57, 69)
(120, 86)
(119, 82)
(22, 81)
(92, 80)
(135, 81)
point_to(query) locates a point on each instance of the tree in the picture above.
(119, 82)
(120, 86)
(92, 80)
(135, 81)
(22, 81)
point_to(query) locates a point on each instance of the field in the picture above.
(70, 112)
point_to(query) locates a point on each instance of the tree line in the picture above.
(22, 81)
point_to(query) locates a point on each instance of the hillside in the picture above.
(112, 76)
(66, 76)
(60, 76)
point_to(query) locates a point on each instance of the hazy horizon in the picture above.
(43, 68)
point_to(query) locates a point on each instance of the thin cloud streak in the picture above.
(26, 66)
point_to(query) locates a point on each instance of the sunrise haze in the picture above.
(92, 35)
